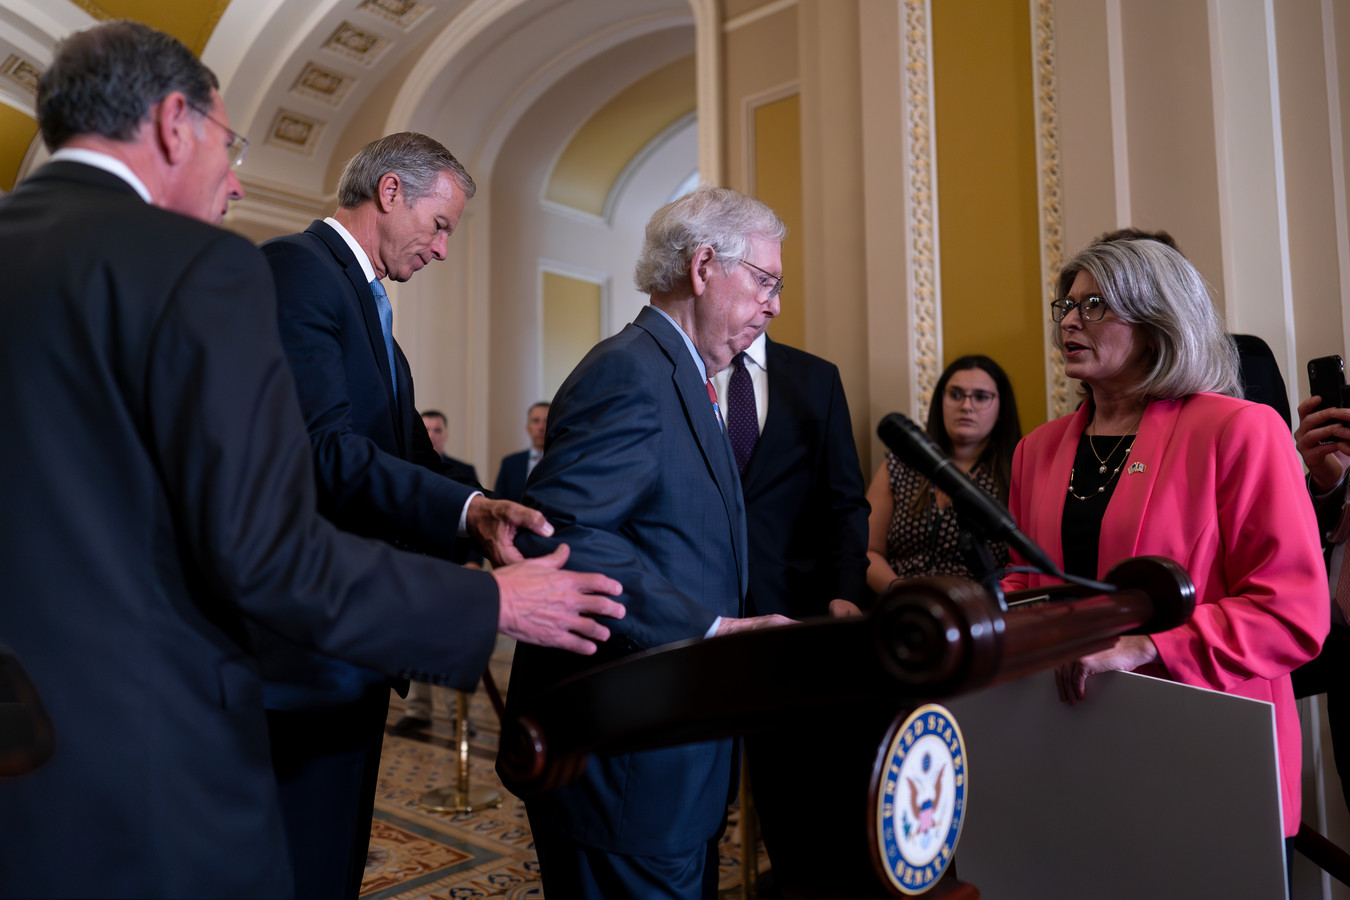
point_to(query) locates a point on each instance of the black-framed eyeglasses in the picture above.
(978, 399)
(775, 280)
(1090, 309)
(238, 147)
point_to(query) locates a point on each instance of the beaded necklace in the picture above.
(1104, 462)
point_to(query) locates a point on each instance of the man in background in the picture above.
(806, 519)
(130, 573)
(639, 478)
(516, 467)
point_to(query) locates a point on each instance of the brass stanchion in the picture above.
(461, 798)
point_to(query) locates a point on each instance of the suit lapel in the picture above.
(365, 302)
(702, 420)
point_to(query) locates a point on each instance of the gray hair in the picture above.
(103, 81)
(1149, 284)
(719, 218)
(416, 159)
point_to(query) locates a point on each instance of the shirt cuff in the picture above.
(712, 629)
(464, 514)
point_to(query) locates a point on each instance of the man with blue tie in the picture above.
(640, 480)
(399, 199)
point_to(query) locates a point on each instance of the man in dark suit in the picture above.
(399, 199)
(639, 478)
(516, 467)
(129, 574)
(805, 498)
(806, 516)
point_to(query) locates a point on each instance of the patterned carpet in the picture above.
(418, 853)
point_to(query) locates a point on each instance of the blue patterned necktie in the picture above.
(386, 313)
(742, 417)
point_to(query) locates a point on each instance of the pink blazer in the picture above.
(1222, 493)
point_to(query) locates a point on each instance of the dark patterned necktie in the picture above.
(742, 417)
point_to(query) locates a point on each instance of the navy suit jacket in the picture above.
(639, 479)
(805, 499)
(512, 475)
(130, 573)
(377, 473)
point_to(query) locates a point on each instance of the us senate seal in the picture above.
(921, 801)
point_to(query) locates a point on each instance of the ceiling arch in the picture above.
(603, 148)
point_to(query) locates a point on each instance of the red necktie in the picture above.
(712, 396)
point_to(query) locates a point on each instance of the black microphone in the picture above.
(982, 512)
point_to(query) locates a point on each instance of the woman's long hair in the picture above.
(996, 459)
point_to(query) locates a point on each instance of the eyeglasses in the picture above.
(238, 147)
(775, 280)
(978, 399)
(1090, 309)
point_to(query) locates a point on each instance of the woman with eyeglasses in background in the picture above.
(1162, 458)
(912, 530)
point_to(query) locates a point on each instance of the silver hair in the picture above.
(1151, 285)
(719, 218)
(416, 159)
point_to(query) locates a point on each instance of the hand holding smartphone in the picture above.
(1326, 380)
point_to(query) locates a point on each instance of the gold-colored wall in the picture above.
(778, 182)
(988, 211)
(18, 130)
(571, 325)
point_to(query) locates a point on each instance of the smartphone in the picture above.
(1326, 379)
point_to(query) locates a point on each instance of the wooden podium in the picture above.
(925, 640)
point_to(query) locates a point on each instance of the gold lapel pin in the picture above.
(1136, 467)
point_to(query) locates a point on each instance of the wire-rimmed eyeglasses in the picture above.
(1090, 309)
(776, 280)
(238, 146)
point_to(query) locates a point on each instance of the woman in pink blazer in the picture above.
(1162, 459)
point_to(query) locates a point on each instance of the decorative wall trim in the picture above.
(295, 132)
(22, 72)
(403, 13)
(921, 207)
(1057, 389)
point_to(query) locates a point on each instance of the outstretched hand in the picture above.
(1129, 653)
(543, 604)
(495, 523)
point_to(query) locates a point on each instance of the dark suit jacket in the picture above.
(639, 480)
(129, 572)
(511, 476)
(805, 498)
(1262, 380)
(377, 472)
